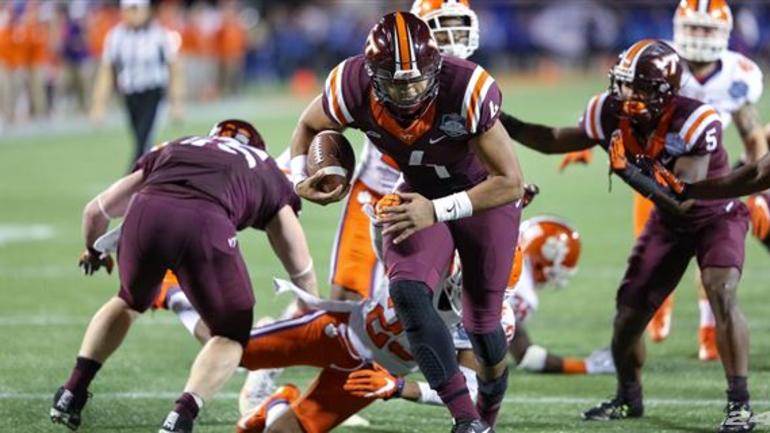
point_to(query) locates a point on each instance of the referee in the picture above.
(140, 60)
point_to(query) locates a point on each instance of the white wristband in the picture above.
(298, 169)
(101, 207)
(453, 207)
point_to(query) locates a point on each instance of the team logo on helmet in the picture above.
(645, 78)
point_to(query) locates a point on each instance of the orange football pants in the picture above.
(314, 340)
(354, 265)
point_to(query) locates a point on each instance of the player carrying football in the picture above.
(732, 84)
(183, 206)
(436, 117)
(647, 127)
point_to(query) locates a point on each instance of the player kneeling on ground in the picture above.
(648, 129)
(184, 204)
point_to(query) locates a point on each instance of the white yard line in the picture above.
(515, 400)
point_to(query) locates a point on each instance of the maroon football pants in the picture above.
(195, 239)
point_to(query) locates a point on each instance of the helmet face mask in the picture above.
(404, 62)
(645, 79)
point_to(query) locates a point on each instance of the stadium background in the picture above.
(549, 58)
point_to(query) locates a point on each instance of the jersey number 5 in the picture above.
(711, 140)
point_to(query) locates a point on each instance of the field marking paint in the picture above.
(10, 233)
(520, 400)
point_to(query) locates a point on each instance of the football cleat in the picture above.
(600, 362)
(66, 408)
(707, 347)
(255, 422)
(472, 426)
(259, 385)
(660, 326)
(176, 423)
(738, 418)
(612, 410)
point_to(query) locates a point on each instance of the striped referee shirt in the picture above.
(140, 56)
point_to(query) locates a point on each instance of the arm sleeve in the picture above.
(481, 103)
(701, 132)
(147, 162)
(343, 91)
(596, 119)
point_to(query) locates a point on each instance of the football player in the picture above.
(551, 248)
(649, 131)
(732, 84)
(437, 118)
(362, 351)
(183, 206)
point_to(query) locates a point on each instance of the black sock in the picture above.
(737, 389)
(631, 393)
(84, 372)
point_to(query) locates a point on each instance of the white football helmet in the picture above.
(453, 23)
(702, 29)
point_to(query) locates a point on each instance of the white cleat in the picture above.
(259, 385)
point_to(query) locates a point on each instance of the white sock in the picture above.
(706, 315)
(276, 409)
(181, 306)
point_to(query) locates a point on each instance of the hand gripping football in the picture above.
(331, 153)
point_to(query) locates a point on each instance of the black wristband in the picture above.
(400, 383)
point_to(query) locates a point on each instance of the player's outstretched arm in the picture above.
(751, 131)
(546, 139)
(312, 121)
(746, 180)
(110, 203)
(288, 241)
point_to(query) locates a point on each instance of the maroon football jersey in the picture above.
(244, 180)
(695, 129)
(432, 152)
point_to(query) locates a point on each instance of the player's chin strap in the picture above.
(313, 302)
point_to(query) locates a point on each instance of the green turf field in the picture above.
(45, 303)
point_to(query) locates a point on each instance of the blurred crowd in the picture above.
(49, 49)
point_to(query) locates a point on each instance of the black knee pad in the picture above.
(429, 338)
(490, 348)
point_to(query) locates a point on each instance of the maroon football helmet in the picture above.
(239, 130)
(645, 79)
(404, 61)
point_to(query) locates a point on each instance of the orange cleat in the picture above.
(255, 421)
(660, 325)
(707, 348)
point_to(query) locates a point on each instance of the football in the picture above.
(331, 153)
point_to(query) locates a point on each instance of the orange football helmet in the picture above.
(453, 23)
(552, 247)
(702, 29)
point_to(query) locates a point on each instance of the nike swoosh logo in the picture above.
(436, 140)
(451, 208)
